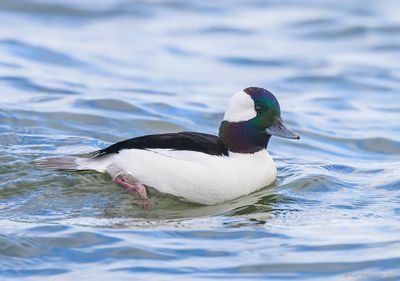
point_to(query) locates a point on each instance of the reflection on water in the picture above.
(75, 77)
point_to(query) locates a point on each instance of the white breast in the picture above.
(196, 176)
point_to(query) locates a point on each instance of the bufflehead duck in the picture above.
(197, 167)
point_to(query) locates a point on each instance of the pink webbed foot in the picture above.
(135, 190)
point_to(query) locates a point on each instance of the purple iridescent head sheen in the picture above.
(263, 97)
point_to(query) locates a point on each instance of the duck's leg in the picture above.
(135, 189)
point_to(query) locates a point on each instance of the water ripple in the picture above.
(39, 54)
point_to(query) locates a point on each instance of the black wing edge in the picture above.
(199, 142)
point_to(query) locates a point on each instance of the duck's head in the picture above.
(252, 117)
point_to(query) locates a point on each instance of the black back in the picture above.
(200, 142)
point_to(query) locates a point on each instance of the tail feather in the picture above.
(74, 163)
(69, 163)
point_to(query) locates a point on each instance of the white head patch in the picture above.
(240, 108)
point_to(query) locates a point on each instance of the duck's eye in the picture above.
(258, 109)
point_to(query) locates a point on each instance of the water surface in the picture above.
(76, 77)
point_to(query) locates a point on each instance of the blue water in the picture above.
(76, 76)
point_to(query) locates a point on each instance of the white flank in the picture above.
(194, 176)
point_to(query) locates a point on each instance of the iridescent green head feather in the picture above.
(266, 106)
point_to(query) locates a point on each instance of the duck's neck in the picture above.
(243, 137)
